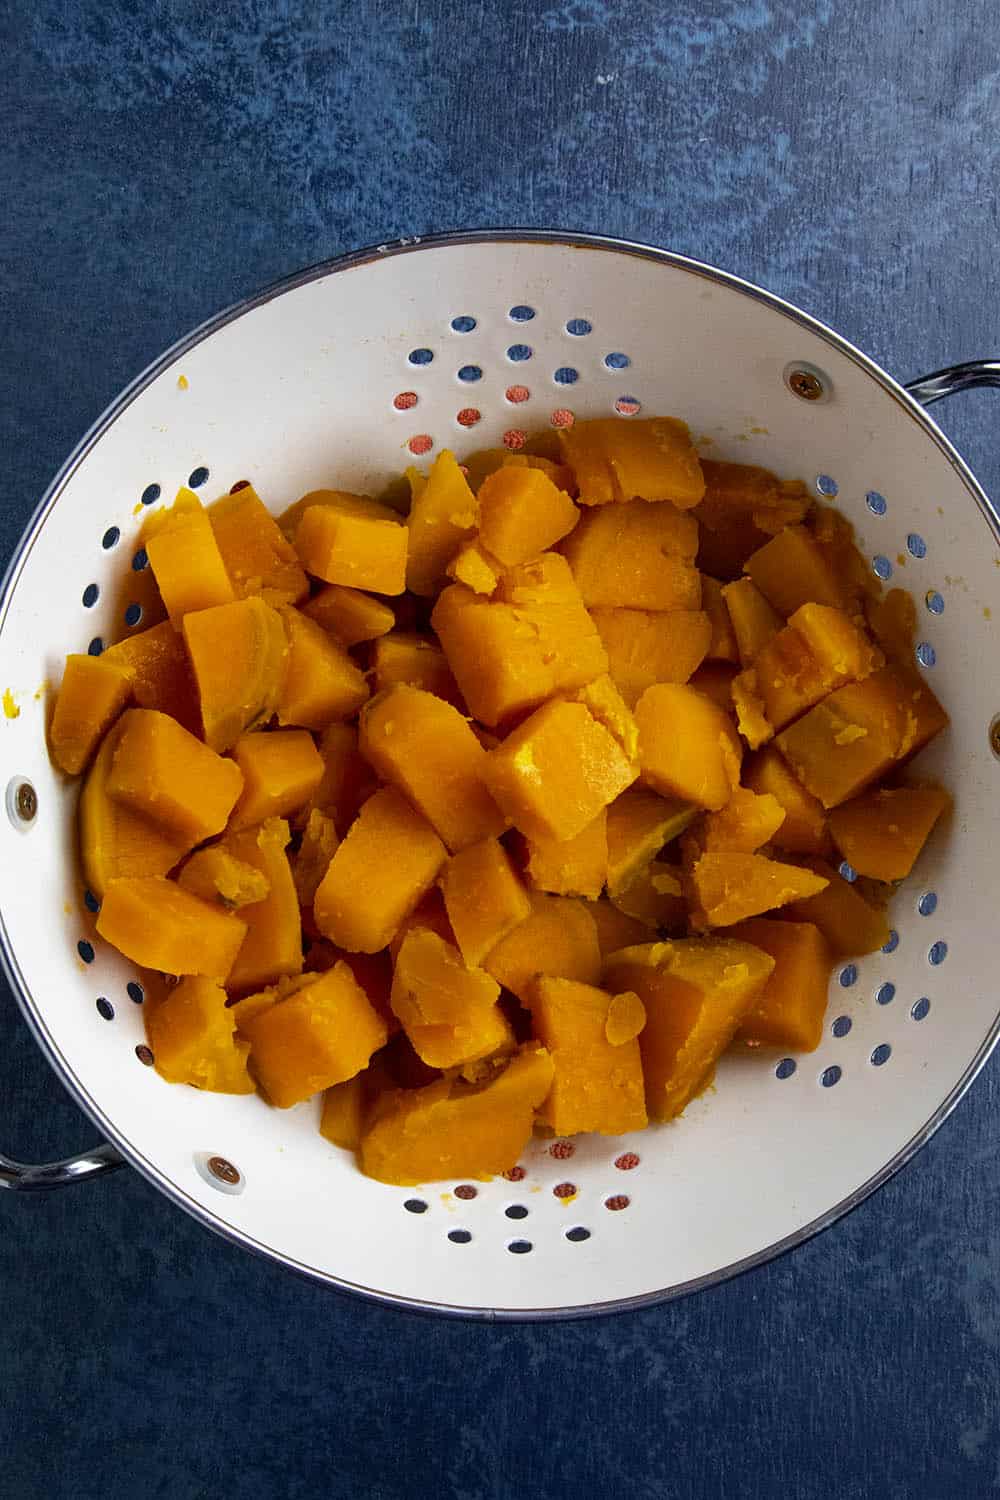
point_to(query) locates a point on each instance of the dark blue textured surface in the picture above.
(160, 160)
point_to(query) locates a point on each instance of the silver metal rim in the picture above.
(29, 1006)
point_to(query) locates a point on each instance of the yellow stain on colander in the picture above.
(182, 382)
(10, 708)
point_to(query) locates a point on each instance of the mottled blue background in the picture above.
(160, 160)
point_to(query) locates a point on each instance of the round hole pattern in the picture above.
(517, 394)
(144, 1054)
(885, 994)
(881, 566)
(420, 443)
(135, 991)
(405, 400)
(831, 1075)
(420, 357)
(104, 1008)
(937, 953)
(848, 976)
(110, 538)
(91, 902)
(470, 374)
(468, 416)
(925, 654)
(85, 950)
(516, 1211)
(518, 353)
(562, 1150)
(564, 1190)
(465, 1190)
(562, 417)
(150, 494)
(521, 313)
(627, 1162)
(577, 1234)
(140, 561)
(516, 1174)
(826, 485)
(520, 1247)
(785, 1068)
(628, 406)
(893, 941)
(566, 375)
(415, 1206)
(848, 872)
(463, 323)
(841, 1026)
(133, 614)
(579, 326)
(920, 1008)
(617, 360)
(617, 1202)
(877, 504)
(515, 438)
(197, 477)
(934, 602)
(459, 1236)
(881, 1055)
(90, 596)
(915, 545)
(927, 905)
(96, 646)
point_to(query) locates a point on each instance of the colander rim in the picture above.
(387, 251)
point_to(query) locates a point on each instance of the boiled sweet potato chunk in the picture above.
(558, 938)
(804, 827)
(350, 614)
(483, 898)
(93, 692)
(342, 1119)
(185, 558)
(695, 992)
(545, 454)
(192, 1036)
(640, 822)
(522, 513)
(753, 621)
(751, 719)
(388, 860)
(609, 708)
(570, 867)
(591, 1037)
(655, 897)
(792, 569)
(238, 652)
(746, 822)
(115, 842)
(321, 682)
(849, 923)
(257, 555)
(645, 647)
(687, 746)
(214, 875)
(882, 832)
(281, 770)
(553, 775)
(448, 1011)
(646, 459)
(450, 1129)
(443, 514)
(160, 926)
(424, 746)
(321, 1035)
(743, 505)
(476, 568)
(353, 540)
(843, 744)
(165, 774)
(635, 556)
(272, 948)
(728, 888)
(407, 656)
(818, 651)
(160, 673)
(789, 1011)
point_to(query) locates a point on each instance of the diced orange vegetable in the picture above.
(714, 679)
(834, 535)
(486, 461)
(454, 1130)
(817, 652)
(342, 1120)
(882, 833)
(349, 614)
(655, 897)
(647, 459)
(156, 924)
(389, 859)
(847, 921)
(476, 568)
(322, 1034)
(443, 515)
(615, 928)
(406, 656)
(892, 620)
(93, 692)
(193, 1039)
(791, 570)
(115, 842)
(559, 938)
(753, 621)
(789, 1011)
(348, 780)
(748, 820)
(609, 708)
(321, 681)
(521, 513)
(214, 875)
(723, 645)
(640, 822)
(687, 746)
(165, 774)
(743, 505)
(804, 829)
(448, 1011)
(281, 770)
(695, 992)
(425, 747)
(635, 556)
(272, 948)
(554, 773)
(512, 652)
(312, 859)
(645, 647)
(353, 540)
(591, 1038)
(571, 867)
(430, 913)
(257, 555)
(751, 720)
(185, 558)
(728, 888)
(238, 652)
(483, 898)
(160, 673)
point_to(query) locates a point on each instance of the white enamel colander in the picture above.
(343, 375)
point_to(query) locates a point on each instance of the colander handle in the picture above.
(954, 378)
(27, 1179)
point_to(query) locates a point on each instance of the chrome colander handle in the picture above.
(24, 1178)
(954, 378)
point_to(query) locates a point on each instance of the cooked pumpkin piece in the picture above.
(558, 938)
(591, 1037)
(882, 832)
(651, 458)
(483, 898)
(239, 654)
(281, 770)
(160, 673)
(687, 746)
(272, 948)
(636, 556)
(92, 694)
(116, 842)
(640, 822)
(164, 773)
(350, 614)
(645, 647)
(804, 828)
(160, 926)
(444, 513)
(192, 1036)
(850, 924)
(522, 513)
(754, 621)
(448, 1011)
(257, 555)
(789, 1011)
(570, 867)
(185, 558)
(215, 875)
(728, 888)
(321, 682)
(342, 1119)
(353, 540)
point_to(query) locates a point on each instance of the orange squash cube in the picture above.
(160, 673)
(646, 459)
(609, 708)
(451, 1129)
(892, 620)
(388, 860)
(843, 744)
(849, 923)
(534, 639)
(695, 992)
(728, 888)
(804, 828)
(214, 875)
(558, 938)
(882, 832)
(312, 859)
(743, 505)
(554, 773)
(165, 774)
(424, 746)
(348, 780)
(322, 1034)
(748, 820)
(192, 1036)
(238, 653)
(640, 822)
(115, 842)
(570, 867)
(353, 540)
(158, 925)
(92, 694)
(185, 558)
(591, 1037)
(792, 569)
(751, 720)
(429, 913)
(753, 621)
(543, 452)
(443, 514)
(448, 1011)
(687, 746)
(818, 651)
(483, 898)
(723, 645)
(789, 1011)
(406, 656)
(281, 770)
(349, 614)
(655, 897)
(272, 948)
(257, 555)
(635, 556)
(476, 568)
(342, 1119)
(834, 535)
(645, 647)
(522, 513)
(615, 928)
(321, 681)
